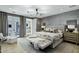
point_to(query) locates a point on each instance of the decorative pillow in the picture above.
(60, 31)
(47, 29)
(52, 30)
(55, 30)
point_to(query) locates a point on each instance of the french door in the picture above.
(28, 26)
(13, 25)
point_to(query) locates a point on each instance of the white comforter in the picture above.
(41, 42)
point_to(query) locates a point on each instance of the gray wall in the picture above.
(60, 19)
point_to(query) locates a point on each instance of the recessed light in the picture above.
(10, 8)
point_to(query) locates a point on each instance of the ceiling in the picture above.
(43, 10)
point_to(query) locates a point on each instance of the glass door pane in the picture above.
(28, 25)
(13, 26)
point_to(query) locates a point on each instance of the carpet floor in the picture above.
(64, 47)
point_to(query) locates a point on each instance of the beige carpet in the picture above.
(11, 48)
(64, 47)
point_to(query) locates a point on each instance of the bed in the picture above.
(41, 40)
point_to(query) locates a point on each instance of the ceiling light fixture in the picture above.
(33, 12)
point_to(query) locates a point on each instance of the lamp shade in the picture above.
(42, 26)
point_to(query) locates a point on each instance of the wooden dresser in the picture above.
(71, 37)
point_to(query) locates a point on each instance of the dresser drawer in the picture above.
(70, 34)
(72, 37)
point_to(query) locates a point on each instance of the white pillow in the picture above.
(51, 29)
(47, 29)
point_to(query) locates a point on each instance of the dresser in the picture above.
(71, 37)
